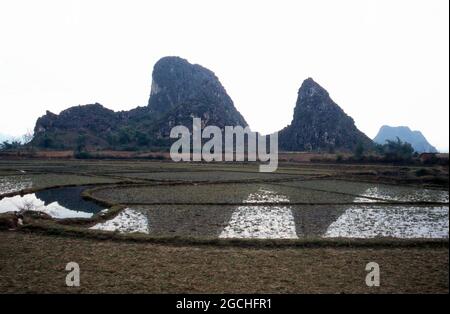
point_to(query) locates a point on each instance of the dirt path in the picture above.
(35, 263)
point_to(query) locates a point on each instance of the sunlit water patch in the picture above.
(266, 222)
(127, 221)
(387, 193)
(378, 192)
(398, 222)
(10, 184)
(266, 196)
(58, 203)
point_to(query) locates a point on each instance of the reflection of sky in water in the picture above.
(393, 221)
(267, 222)
(266, 196)
(58, 203)
(127, 221)
(403, 194)
(356, 222)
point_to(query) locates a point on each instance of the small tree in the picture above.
(27, 142)
(47, 141)
(27, 137)
(398, 150)
(142, 138)
(359, 151)
(6, 145)
(125, 135)
(81, 143)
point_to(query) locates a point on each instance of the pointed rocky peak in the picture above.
(310, 88)
(319, 124)
(175, 80)
(181, 89)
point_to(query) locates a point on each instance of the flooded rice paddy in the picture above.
(219, 207)
(365, 213)
(396, 221)
(205, 176)
(14, 183)
(59, 203)
(265, 222)
(373, 192)
(127, 221)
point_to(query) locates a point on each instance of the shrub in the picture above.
(397, 150)
(421, 172)
(82, 155)
(359, 151)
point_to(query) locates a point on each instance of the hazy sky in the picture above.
(383, 62)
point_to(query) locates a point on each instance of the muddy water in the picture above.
(58, 203)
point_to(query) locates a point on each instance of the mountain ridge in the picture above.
(404, 133)
(180, 91)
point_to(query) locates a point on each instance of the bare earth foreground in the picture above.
(36, 263)
(222, 228)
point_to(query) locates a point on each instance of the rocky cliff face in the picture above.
(404, 133)
(319, 124)
(91, 122)
(179, 92)
(177, 83)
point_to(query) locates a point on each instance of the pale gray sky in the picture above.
(382, 61)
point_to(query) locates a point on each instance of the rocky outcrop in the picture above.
(319, 124)
(87, 125)
(179, 92)
(177, 83)
(93, 117)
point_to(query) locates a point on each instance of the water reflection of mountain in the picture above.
(70, 198)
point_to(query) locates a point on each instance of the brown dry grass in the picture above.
(36, 263)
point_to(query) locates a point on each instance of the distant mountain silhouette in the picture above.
(404, 133)
(319, 124)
